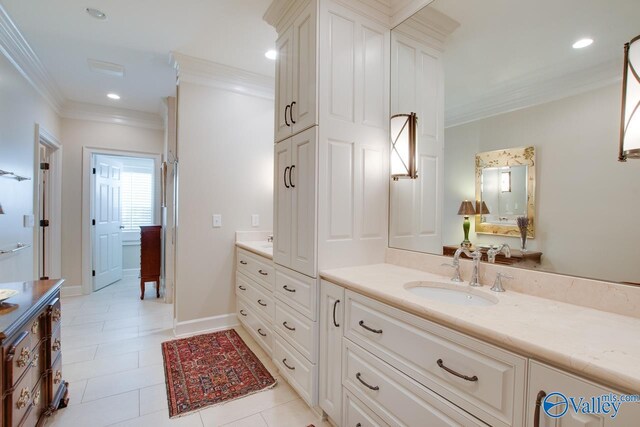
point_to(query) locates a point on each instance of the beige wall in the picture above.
(21, 107)
(83, 133)
(587, 202)
(225, 152)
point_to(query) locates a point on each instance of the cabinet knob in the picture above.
(58, 377)
(25, 353)
(57, 345)
(24, 398)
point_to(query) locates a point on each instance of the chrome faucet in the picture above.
(475, 256)
(270, 239)
(491, 253)
(497, 285)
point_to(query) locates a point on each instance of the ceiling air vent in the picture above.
(109, 68)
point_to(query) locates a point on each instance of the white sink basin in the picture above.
(268, 246)
(450, 294)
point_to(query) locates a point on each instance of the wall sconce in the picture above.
(404, 146)
(630, 120)
(505, 182)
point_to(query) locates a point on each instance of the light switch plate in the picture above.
(28, 221)
(217, 221)
(255, 220)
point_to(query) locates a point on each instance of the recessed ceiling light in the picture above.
(582, 43)
(113, 96)
(271, 54)
(98, 14)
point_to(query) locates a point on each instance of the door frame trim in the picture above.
(87, 199)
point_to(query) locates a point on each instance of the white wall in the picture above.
(225, 152)
(21, 107)
(77, 134)
(587, 203)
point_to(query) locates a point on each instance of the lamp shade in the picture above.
(482, 208)
(630, 121)
(466, 208)
(404, 146)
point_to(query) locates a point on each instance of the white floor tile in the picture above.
(252, 421)
(150, 357)
(76, 391)
(101, 337)
(100, 367)
(79, 354)
(154, 399)
(98, 413)
(160, 419)
(292, 414)
(135, 379)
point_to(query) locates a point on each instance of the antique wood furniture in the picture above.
(522, 259)
(150, 256)
(32, 384)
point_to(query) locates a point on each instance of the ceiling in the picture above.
(140, 35)
(510, 54)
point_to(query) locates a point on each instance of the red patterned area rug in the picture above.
(209, 369)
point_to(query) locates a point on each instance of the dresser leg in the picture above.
(142, 289)
(157, 287)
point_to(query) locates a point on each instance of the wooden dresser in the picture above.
(150, 256)
(32, 384)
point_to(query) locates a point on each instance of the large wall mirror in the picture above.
(498, 76)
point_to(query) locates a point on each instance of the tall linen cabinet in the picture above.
(331, 164)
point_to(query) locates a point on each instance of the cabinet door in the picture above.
(284, 70)
(282, 205)
(304, 110)
(303, 174)
(331, 326)
(550, 380)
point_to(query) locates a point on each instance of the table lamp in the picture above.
(466, 209)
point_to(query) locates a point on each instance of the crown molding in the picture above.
(121, 116)
(207, 73)
(534, 89)
(429, 27)
(18, 51)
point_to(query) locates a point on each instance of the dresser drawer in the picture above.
(257, 327)
(483, 380)
(298, 291)
(259, 297)
(54, 379)
(397, 399)
(54, 315)
(18, 357)
(299, 331)
(256, 267)
(301, 374)
(56, 344)
(356, 413)
(37, 406)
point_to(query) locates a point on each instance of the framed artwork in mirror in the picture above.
(505, 183)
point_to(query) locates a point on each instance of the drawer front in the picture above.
(484, 380)
(259, 297)
(398, 400)
(298, 291)
(18, 403)
(256, 267)
(298, 371)
(54, 315)
(356, 413)
(54, 380)
(55, 344)
(37, 405)
(299, 331)
(257, 327)
(37, 330)
(18, 357)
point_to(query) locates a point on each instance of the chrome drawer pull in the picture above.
(242, 288)
(263, 273)
(293, 368)
(243, 262)
(287, 289)
(287, 326)
(261, 333)
(243, 313)
(452, 372)
(262, 303)
(375, 331)
(370, 387)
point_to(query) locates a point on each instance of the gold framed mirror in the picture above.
(505, 183)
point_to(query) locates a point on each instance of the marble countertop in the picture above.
(262, 248)
(597, 345)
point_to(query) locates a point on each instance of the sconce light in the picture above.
(505, 182)
(404, 146)
(466, 209)
(630, 121)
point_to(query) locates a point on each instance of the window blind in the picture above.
(137, 198)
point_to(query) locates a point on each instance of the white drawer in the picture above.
(299, 331)
(260, 298)
(356, 413)
(397, 399)
(301, 374)
(256, 326)
(494, 383)
(297, 290)
(256, 267)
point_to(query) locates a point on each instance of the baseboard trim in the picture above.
(71, 291)
(205, 324)
(131, 272)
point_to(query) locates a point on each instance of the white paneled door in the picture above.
(107, 236)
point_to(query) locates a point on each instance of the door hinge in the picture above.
(93, 273)
(93, 222)
(94, 171)
(44, 166)
(44, 223)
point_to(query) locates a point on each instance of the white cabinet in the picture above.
(295, 210)
(331, 327)
(296, 108)
(545, 381)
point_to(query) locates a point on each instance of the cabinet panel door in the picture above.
(304, 111)
(282, 205)
(304, 202)
(284, 71)
(331, 326)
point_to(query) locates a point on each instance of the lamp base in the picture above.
(465, 244)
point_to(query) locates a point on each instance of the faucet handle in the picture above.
(456, 275)
(497, 285)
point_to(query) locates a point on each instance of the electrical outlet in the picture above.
(255, 220)
(217, 221)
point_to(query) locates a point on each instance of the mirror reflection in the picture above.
(545, 75)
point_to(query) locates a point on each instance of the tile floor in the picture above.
(113, 363)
